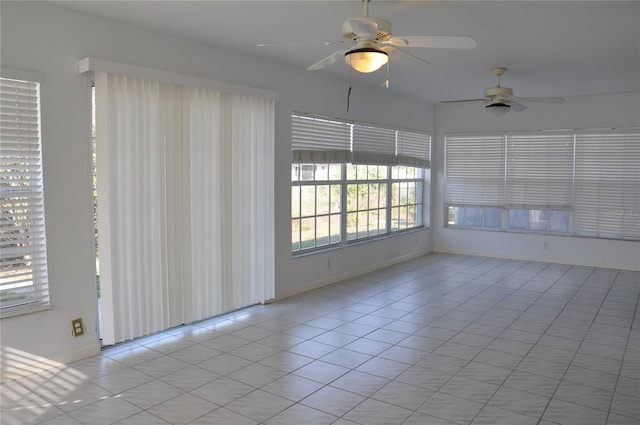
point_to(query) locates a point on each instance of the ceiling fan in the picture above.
(373, 43)
(499, 99)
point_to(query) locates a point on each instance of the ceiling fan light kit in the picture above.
(366, 59)
(498, 109)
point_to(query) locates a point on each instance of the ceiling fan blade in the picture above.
(517, 106)
(465, 101)
(300, 43)
(393, 50)
(329, 60)
(435, 41)
(541, 99)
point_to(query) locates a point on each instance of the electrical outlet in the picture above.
(545, 245)
(77, 328)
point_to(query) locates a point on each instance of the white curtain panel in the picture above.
(252, 199)
(131, 194)
(185, 203)
(206, 171)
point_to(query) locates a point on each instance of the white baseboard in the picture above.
(315, 285)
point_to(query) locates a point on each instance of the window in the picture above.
(568, 182)
(316, 205)
(23, 258)
(352, 182)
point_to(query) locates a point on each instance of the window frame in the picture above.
(345, 238)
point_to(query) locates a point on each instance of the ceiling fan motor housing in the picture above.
(357, 29)
(498, 92)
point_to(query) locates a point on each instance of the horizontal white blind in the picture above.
(374, 145)
(320, 140)
(23, 258)
(607, 190)
(539, 169)
(413, 149)
(474, 169)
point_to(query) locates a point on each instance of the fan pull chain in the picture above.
(349, 91)
(387, 83)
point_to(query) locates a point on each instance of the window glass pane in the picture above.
(334, 228)
(374, 195)
(308, 194)
(474, 216)
(335, 171)
(518, 219)
(453, 216)
(382, 220)
(321, 172)
(559, 221)
(373, 222)
(352, 225)
(352, 196)
(411, 193)
(538, 220)
(295, 235)
(363, 225)
(395, 194)
(322, 199)
(295, 172)
(382, 192)
(308, 231)
(363, 196)
(351, 171)
(394, 218)
(336, 199)
(493, 218)
(295, 201)
(307, 172)
(417, 215)
(362, 172)
(322, 230)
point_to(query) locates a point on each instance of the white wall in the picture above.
(49, 39)
(599, 111)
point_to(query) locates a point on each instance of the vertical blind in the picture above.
(474, 169)
(185, 203)
(607, 201)
(318, 139)
(24, 285)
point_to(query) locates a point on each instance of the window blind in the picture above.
(374, 145)
(474, 169)
(539, 169)
(318, 139)
(413, 149)
(607, 188)
(24, 283)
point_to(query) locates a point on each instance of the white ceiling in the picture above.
(551, 48)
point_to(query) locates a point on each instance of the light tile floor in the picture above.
(442, 339)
